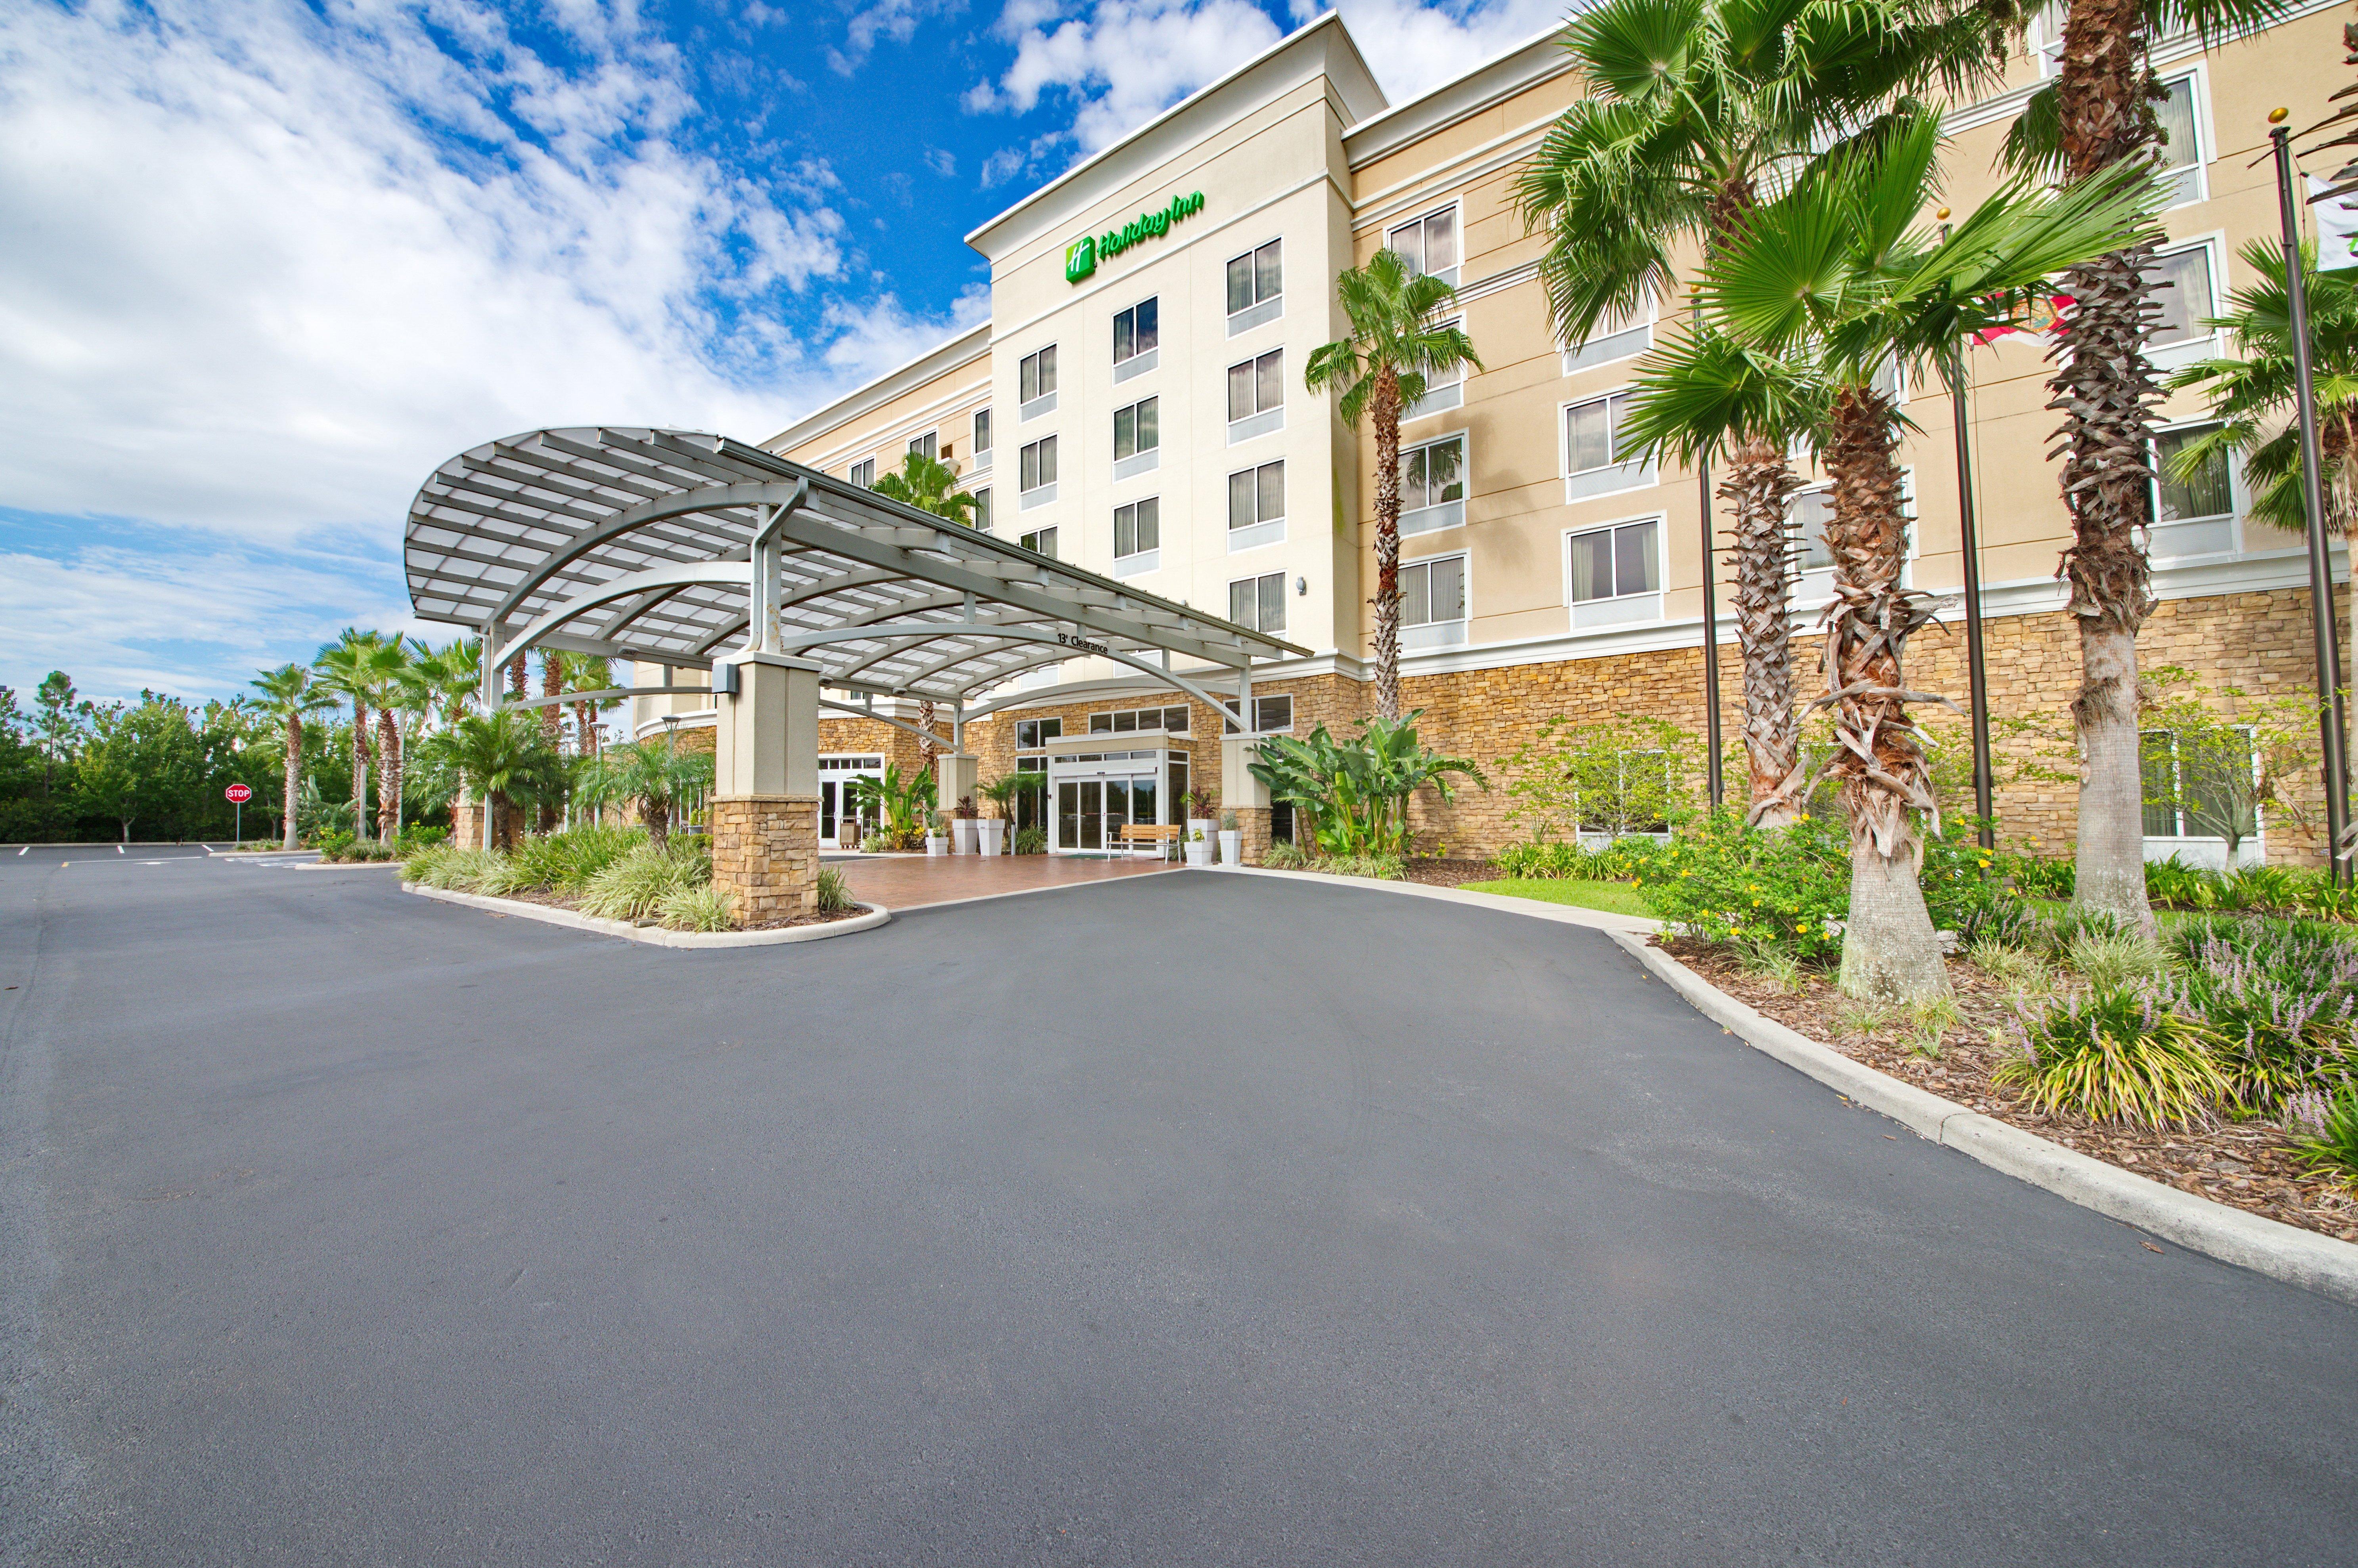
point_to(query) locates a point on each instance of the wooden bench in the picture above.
(1135, 834)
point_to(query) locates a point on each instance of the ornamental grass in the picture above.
(2122, 1054)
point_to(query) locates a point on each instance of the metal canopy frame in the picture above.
(673, 547)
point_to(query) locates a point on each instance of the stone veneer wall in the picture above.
(765, 850)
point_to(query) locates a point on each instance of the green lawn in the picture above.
(1619, 898)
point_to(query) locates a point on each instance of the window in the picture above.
(1173, 720)
(1041, 540)
(1614, 337)
(1433, 602)
(1256, 287)
(2194, 515)
(2182, 289)
(1429, 245)
(982, 510)
(925, 444)
(1616, 573)
(1432, 486)
(1138, 528)
(1137, 440)
(1257, 396)
(1806, 516)
(2200, 786)
(1036, 472)
(863, 473)
(1257, 506)
(1442, 389)
(1031, 734)
(2045, 38)
(1269, 713)
(1136, 336)
(1258, 603)
(982, 436)
(2181, 140)
(1592, 440)
(1035, 383)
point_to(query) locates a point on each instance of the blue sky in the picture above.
(270, 262)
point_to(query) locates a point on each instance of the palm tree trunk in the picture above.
(1889, 950)
(926, 749)
(359, 769)
(388, 774)
(552, 719)
(294, 780)
(2104, 388)
(1388, 510)
(657, 819)
(1760, 480)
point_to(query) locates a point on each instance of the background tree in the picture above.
(663, 779)
(59, 726)
(1691, 106)
(1396, 343)
(382, 668)
(291, 694)
(2096, 116)
(928, 484)
(144, 764)
(1615, 776)
(588, 673)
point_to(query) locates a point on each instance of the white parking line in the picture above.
(118, 848)
(27, 847)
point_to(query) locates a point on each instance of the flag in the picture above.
(2337, 228)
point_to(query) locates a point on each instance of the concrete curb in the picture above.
(656, 936)
(2267, 1247)
(346, 866)
(1533, 909)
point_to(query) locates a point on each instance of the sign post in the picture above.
(238, 795)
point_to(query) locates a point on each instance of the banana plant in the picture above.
(1355, 794)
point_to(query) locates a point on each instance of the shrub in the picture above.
(1722, 882)
(456, 870)
(2119, 1055)
(566, 861)
(422, 866)
(2016, 965)
(704, 908)
(1031, 841)
(1375, 868)
(1963, 889)
(2034, 876)
(418, 839)
(2174, 884)
(2281, 998)
(1286, 856)
(635, 886)
(2109, 961)
(505, 876)
(834, 894)
(2326, 1129)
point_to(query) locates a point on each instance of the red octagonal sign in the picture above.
(239, 794)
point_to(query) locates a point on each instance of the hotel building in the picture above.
(1135, 405)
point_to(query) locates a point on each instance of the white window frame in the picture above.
(1260, 531)
(981, 450)
(1261, 705)
(982, 510)
(1262, 421)
(1139, 559)
(1041, 402)
(1257, 578)
(1440, 399)
(2194, 183)
(2201, 848)
(1431, 633)
(924, 440)
(1631, 609)
(1814, 587)
(863, 473)
(2173, 356)
(1138, 361)
(1041, 541)
(1262, 310)
(2161, 537)
(1445, 514)
(1044, 492)
(1142, 459)
(1450, 274)
(1618, 338)
(1611, 479)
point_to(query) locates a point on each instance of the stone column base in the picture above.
(1252, 822)
(466, 826)
(765, 850)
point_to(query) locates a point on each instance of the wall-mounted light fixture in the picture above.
(1301, 588)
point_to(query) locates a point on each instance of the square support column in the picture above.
(956, 776)
(764, 805)
(1245, 794)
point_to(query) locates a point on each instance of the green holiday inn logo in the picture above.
(1082, 256)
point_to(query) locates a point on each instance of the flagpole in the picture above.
(1969, 546)
(2312, 495)
(1712, 738)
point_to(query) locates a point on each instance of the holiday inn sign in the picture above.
(1081, 256)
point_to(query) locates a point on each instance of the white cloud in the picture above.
(1413, 49)
(941, 161)
(875, 340)
(893, 20)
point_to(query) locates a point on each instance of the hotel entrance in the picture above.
(838, 815)
(1093, 793)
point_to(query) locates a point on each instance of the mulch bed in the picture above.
(2247, 1165)
(1439, 873)
(547, 900)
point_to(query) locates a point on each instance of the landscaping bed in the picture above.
(2251, 1165)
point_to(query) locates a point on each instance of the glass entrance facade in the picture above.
(1095, 794)
(836, 808)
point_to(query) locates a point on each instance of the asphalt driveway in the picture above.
(1189, 1219)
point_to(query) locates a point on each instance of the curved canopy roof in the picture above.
(642, 543)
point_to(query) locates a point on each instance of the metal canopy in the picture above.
(654, 545)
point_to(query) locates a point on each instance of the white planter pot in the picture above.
(1199, 854)
(962, 835)
(936, 845)
(1202, 825)
(993, 832)
(1232, 847)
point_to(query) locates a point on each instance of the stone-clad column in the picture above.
(764, 806)
(955, 775)
(1245, 794)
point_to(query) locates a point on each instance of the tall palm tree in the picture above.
(2096, 113)
(1803, 309)
(588, 672)
(343, 669)
(290, 694)
(928, 484)
(658, 776)
(382, 670)
(1398, 339)
(446, 681)
(1692, 107)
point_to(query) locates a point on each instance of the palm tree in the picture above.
(500, 753)
(2099, 112)
(342, 667)
(290, 694)
(1691, 106)
(588, 672)
(445, 682)
(1396, 342)
(1802, 310)
(928, 484)
(662, 779)
(382, 670)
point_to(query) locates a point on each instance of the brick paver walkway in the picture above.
(910, 882)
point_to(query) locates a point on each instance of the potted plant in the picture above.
(1199, 817)
(937, 842)
(1199, 848)
(1004, 791)
(966, 817)
(1232, 840)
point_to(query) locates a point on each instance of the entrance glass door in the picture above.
(1091, 812)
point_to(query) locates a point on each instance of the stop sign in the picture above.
(238, 793)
